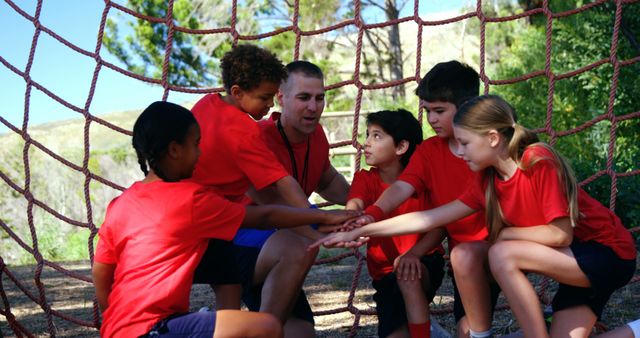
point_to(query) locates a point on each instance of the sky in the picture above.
(68, 74)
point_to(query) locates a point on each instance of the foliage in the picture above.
(143, 50)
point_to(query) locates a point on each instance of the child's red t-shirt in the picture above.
(233, 153)
(382, 251)
(536, 197)
(156, 233)
(434, 170)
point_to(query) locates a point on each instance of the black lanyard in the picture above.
(294, 165)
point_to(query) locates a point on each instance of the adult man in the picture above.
(275, 264)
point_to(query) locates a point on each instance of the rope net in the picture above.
(90, 177)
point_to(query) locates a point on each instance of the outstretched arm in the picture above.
(281, 216)
(415, 222)
(103, 280)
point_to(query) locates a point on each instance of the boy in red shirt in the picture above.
(155, 233)
(235, 158)
(406, 270)
(436, 170)
(270, 260)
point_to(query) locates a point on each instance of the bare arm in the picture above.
(559, 233)
(394, 195)
(281, 216)
(333, 187)
(103, 280)
(354, 204)
(415, 222)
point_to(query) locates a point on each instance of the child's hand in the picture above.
(340, 216)
(339, 240)
(408, 266)
(357, 222)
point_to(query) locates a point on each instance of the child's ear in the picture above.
(494, 138)
(402, 147)
(236, 92)
(174, 150)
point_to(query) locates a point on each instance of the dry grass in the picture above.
(327, 287)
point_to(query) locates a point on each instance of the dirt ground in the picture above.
(327, 287)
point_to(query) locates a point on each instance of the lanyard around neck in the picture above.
(294, 166)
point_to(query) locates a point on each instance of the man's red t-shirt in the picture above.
(433, 169)
(156, 233)
(318, 148)
(233, 153)
(536, 197)
(318, 153)
(382, 251)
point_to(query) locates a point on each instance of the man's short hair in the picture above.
(307, 68)
(452, 82)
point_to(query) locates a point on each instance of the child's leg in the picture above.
(418, 293)
(416, 304)
(470, 266)
(217, 268)
(574, 322)
(282, 265)
(508, 261)
(234, 323)
(631, 330)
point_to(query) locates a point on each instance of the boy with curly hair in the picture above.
(235, 158)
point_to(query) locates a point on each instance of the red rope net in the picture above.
(40, 297)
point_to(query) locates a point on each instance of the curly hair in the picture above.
(247, 66)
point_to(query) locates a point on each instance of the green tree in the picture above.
(143, 49)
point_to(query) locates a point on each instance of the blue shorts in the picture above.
(388, 297)
(192, 324)
(606, 271)
(217, 265)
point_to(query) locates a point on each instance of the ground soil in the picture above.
(327, 287)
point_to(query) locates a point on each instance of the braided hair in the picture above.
(159, 125)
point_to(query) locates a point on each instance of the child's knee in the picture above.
(502, 257)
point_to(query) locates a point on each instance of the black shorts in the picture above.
(217, 266)
(246, 258)
(606, 271)
(388, 297)
(458, 308)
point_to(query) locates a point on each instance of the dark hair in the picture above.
(247, 66)
(452, 82)
(401, 125)
(305, 67)
(491, 112)
(158, 125)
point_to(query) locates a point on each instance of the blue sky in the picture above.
(68, 74)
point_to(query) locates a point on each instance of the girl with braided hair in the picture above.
(156, 232)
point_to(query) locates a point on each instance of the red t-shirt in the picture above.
(382, 251)
(536, 196)
(234, 155)
(155, 234)
(435, 170)
(318, 153)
